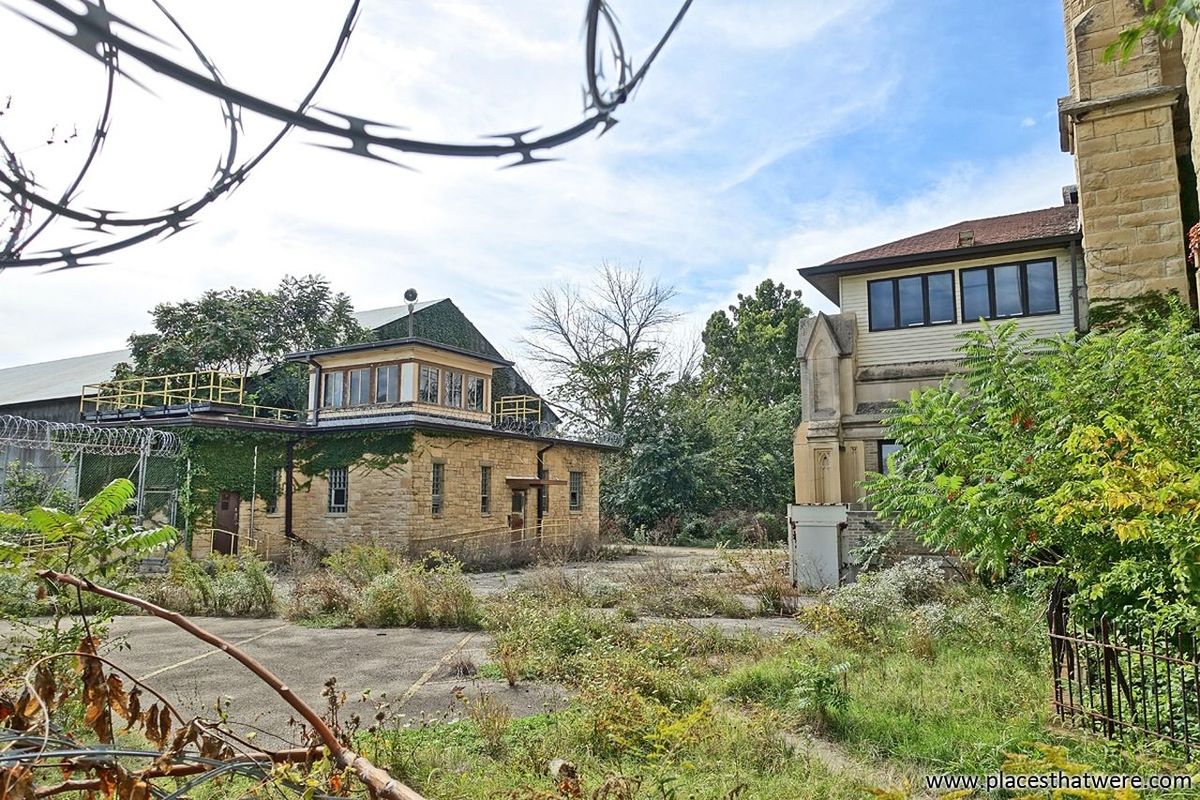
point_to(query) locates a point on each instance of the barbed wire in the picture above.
(94, 34)
(75, 437)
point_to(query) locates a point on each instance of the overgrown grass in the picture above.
(902, 676)
(225, 586)
(369, 586)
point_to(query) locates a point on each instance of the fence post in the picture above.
(1109, 712)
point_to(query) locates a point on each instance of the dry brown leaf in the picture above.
(116, 695)
(16, 783)
(133, 706)
(164, 726)
(150, 721)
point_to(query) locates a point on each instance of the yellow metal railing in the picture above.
(497, 541)
(180, 389)
(518, 406)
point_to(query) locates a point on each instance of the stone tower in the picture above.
(1127, 125)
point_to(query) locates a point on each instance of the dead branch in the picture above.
(301, 755)
(378, 781)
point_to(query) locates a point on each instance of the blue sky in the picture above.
(769, 136)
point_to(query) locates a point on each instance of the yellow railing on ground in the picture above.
(499, 541)
(177, 390)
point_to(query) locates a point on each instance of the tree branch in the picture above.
(378, 781)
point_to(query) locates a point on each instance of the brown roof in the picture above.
(1045, 223)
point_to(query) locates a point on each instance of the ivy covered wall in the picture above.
(224, 460)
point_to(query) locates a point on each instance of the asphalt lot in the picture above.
(417, 669)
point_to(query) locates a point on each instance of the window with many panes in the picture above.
(436, 487)
(453, 391)
(339, 490)
(387, 384)
(427, 389)
(575, 487)
(1009, 290)
(334, 395)
(475, 390)
(485, 489)
(910, 302)
(360, 386)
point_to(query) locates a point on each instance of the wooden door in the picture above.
(516, 520)
(225, 523)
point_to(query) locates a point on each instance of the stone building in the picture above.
(1128, 123)
(423, 439)
(904, 305)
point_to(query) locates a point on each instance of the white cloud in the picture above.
(1028, 122)
(687, 184)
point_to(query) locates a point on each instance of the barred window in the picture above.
(339, 494)
(485, 490)
(454, 389)
(360, 386)
(475, 394)
(387, 384)
(439, 471)
(576, 489)
(428, 390)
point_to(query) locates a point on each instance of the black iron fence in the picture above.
(1125, 683)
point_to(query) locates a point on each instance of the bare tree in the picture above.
(600, 345)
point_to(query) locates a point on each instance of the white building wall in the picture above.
(939, 342)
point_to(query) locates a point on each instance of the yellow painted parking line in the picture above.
(429, 673)
(193, 659)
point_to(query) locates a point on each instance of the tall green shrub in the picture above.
(1076, 457)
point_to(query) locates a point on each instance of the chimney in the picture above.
(966, 238)
(1070, 194)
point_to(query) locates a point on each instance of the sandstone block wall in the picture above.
(394, 508)
(1122, 120)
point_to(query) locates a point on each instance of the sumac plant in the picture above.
(1077, 458)
(73, 722)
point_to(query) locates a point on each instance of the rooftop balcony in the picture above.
(212, 393)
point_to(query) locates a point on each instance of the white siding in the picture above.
(937, 342)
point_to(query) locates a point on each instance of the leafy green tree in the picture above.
(750, 351)
(247, 332)
(22, 488)
(1076, 458)
(96, 542)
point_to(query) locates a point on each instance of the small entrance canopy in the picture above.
(518, 484)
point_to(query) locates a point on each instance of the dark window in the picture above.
(1041, 287)
(1007, 291)
(475, 394)
(428, 391)
(387, 384)
(882, 302)
(485, 490)
(276, 488)
(575, 485)
(360, 387)
(454, 387)
(887, 449)
(1010, 290)
(335, 390)
(941, 297)
(339, 494)
(910, 302)
(976, 294)
(436, 484)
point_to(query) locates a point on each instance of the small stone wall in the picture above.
(861, 528)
